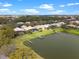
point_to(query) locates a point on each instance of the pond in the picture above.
(57, 46)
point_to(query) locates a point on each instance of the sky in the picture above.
(39, 7)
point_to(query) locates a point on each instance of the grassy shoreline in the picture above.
(71, 31)
(19, 41)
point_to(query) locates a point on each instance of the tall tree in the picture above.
(6, 34)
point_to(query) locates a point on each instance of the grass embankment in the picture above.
(19, 40)
(72, 31)
(23, 50)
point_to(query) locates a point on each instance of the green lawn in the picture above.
(20, 39)
(21, 47)
(72, 31)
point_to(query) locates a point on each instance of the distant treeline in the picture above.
(38, 19)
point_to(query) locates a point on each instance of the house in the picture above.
(77, 27)
(43, 27)
(21, 23)
(17, 29)
(74, 22)
(27, 23)
(24, 27)
(71, 26)
(59, 24)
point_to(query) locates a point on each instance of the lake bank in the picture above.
(71, 31)
(57, 46)
(19, 41)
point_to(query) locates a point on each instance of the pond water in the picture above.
(57, 46)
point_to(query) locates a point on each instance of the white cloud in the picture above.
(77, 3)
(47, 6)
(69, 4)
(7, 11)
(4, 10)
(58, 12)
(30, 11)
(62, 6)
(13, 11)
(5, 5)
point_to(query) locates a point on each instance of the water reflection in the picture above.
(57, 46)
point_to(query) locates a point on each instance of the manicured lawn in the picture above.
(72, 31)
(19, 41)
(22, 48)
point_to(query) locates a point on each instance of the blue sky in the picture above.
(39, 7)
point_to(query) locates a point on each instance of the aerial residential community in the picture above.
(18, 32)
(39, 29)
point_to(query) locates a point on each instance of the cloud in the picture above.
(77, 3)
(5, 5)
(58, 12)
(7, 11)
(69, 4)
(4, 10)
(30, 11)
(62, 6)
(47, 6)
